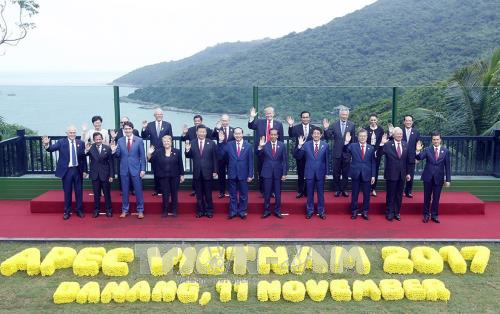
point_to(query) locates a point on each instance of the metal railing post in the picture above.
(116, 98)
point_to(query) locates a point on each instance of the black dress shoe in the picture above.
(155, 193)
(265, 215)
(389, 218)
(397, 217)
(192, 193)
(109, 214)
(425, 220)
(354, 216)
(322, 216)
(221, 195)
(435, 219)
(66, 216)
(80, 214)
(229, 217)
(199, 215)
(164, 214)
(243, 217)
(308, 216)
(337, 194)
(210, 215)
(365, 216)
(409, 195)
(299, 195)
(95, 215)
(345, 194)
(174, 214)
(278, 215)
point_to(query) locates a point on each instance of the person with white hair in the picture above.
(228, 132)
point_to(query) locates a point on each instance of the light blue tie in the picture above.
(342, 129)
(73, 154)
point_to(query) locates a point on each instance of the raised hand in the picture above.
(420, 146)
(290, 120)
(151, 149)
(112, 133)
(144, 124)
(262, 141)
(249, 179)
(372, 181)
(188, 146)
(447, 184)
(348, 137)
(408, 177)
(184, 129)
(45, 140)
(113, 147)
(283, 178)
(142, 174)
(390, 127)
(222, 136)
(84, 128)
(302, 140)
(385, 139)
(181, 179)
(326, 123)
(87, 146)
(253, 113)
(218, 125)
(215, 175)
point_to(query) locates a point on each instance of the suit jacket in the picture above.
(395, 168)
(297, 131)
(63, 146)
(150, 133)
(203, 165)
(435, 170)
(316, 166)
(215, 134)
(260, 126)
(133, 161)
(276, 166)
(120, 134)
(168, 166)
(192, 136)
(366, 167)
(101, 164)
(241, 167)
(412, 143)
(335, 132)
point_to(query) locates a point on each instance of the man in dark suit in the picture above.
(341, 159)
(203, 153)
(154, 131)
(263, 128)
(396, 172)
(362, 171)
(130, 150)
(303, 129)
(114, 136)
(411, 136)
(375, 133)
(189, 134)
(437, 168)
(239, 154)
(71, 168)
(228, 132)
(316, 154)
(101, 172)
(274, 170)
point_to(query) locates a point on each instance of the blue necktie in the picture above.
(73, 154)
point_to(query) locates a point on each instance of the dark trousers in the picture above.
(432, 190)
(357, 185)
(378, 159)
(203, 190)
(157, 184)
(222, 176)
(105, 187)
(272, 185)
(394, 197)
(238, 206)
(319, 185)
(259, 170)
(301, 182)
(72, 180)
(409, 184)
(169, 186)
(340, 167)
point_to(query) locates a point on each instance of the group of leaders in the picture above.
(223, 154)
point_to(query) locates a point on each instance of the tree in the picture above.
(15, 21)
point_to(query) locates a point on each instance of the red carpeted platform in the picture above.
(452, 203)
(18, 222)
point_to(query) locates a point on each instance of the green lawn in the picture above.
(469, 293)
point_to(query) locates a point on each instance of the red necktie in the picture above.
(238, 149)
(129, 145)
(274, 149)
(268, 130)
(399, 150)
(201, 148)
(316, 150)
(436, 153)
(362, 152)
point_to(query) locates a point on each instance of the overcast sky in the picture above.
(121, 35)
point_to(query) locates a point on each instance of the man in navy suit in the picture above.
(102, 172)
(362, 171)
(395, 173)
(228, 132)
(154, 131)
(411, 136)
(294, 132)
(274, 170)
(437, 168)
(203, 153)
(263, 128)
(316, 154)
(239, 154)
(130, 150)
(71, 168)
(341, 159)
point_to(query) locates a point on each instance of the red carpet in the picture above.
(452, 203)
(19, 223)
